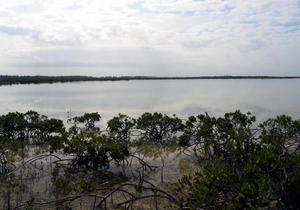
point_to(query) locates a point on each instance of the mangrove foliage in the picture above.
(155, 161)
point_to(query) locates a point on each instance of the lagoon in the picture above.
(263, 97)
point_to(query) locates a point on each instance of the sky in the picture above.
(150, 37)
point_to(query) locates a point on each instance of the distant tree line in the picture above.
(10, 80)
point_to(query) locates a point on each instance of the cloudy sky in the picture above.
(150, 37)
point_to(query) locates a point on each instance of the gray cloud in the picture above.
(18, 31)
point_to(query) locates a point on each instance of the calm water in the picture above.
(264, 98)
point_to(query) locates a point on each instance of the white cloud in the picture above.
(150, 37)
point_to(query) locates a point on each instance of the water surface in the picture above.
(264, 98)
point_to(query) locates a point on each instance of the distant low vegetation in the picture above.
(229, 162)
(10, 80)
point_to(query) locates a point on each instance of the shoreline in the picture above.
(19, 80)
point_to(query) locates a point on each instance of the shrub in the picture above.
(239, 168)
(120, 127)
(159, 128)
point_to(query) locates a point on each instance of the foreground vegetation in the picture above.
(10, 80)
(230, 162)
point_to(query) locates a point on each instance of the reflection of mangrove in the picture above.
(10, 80)
(229, 162)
